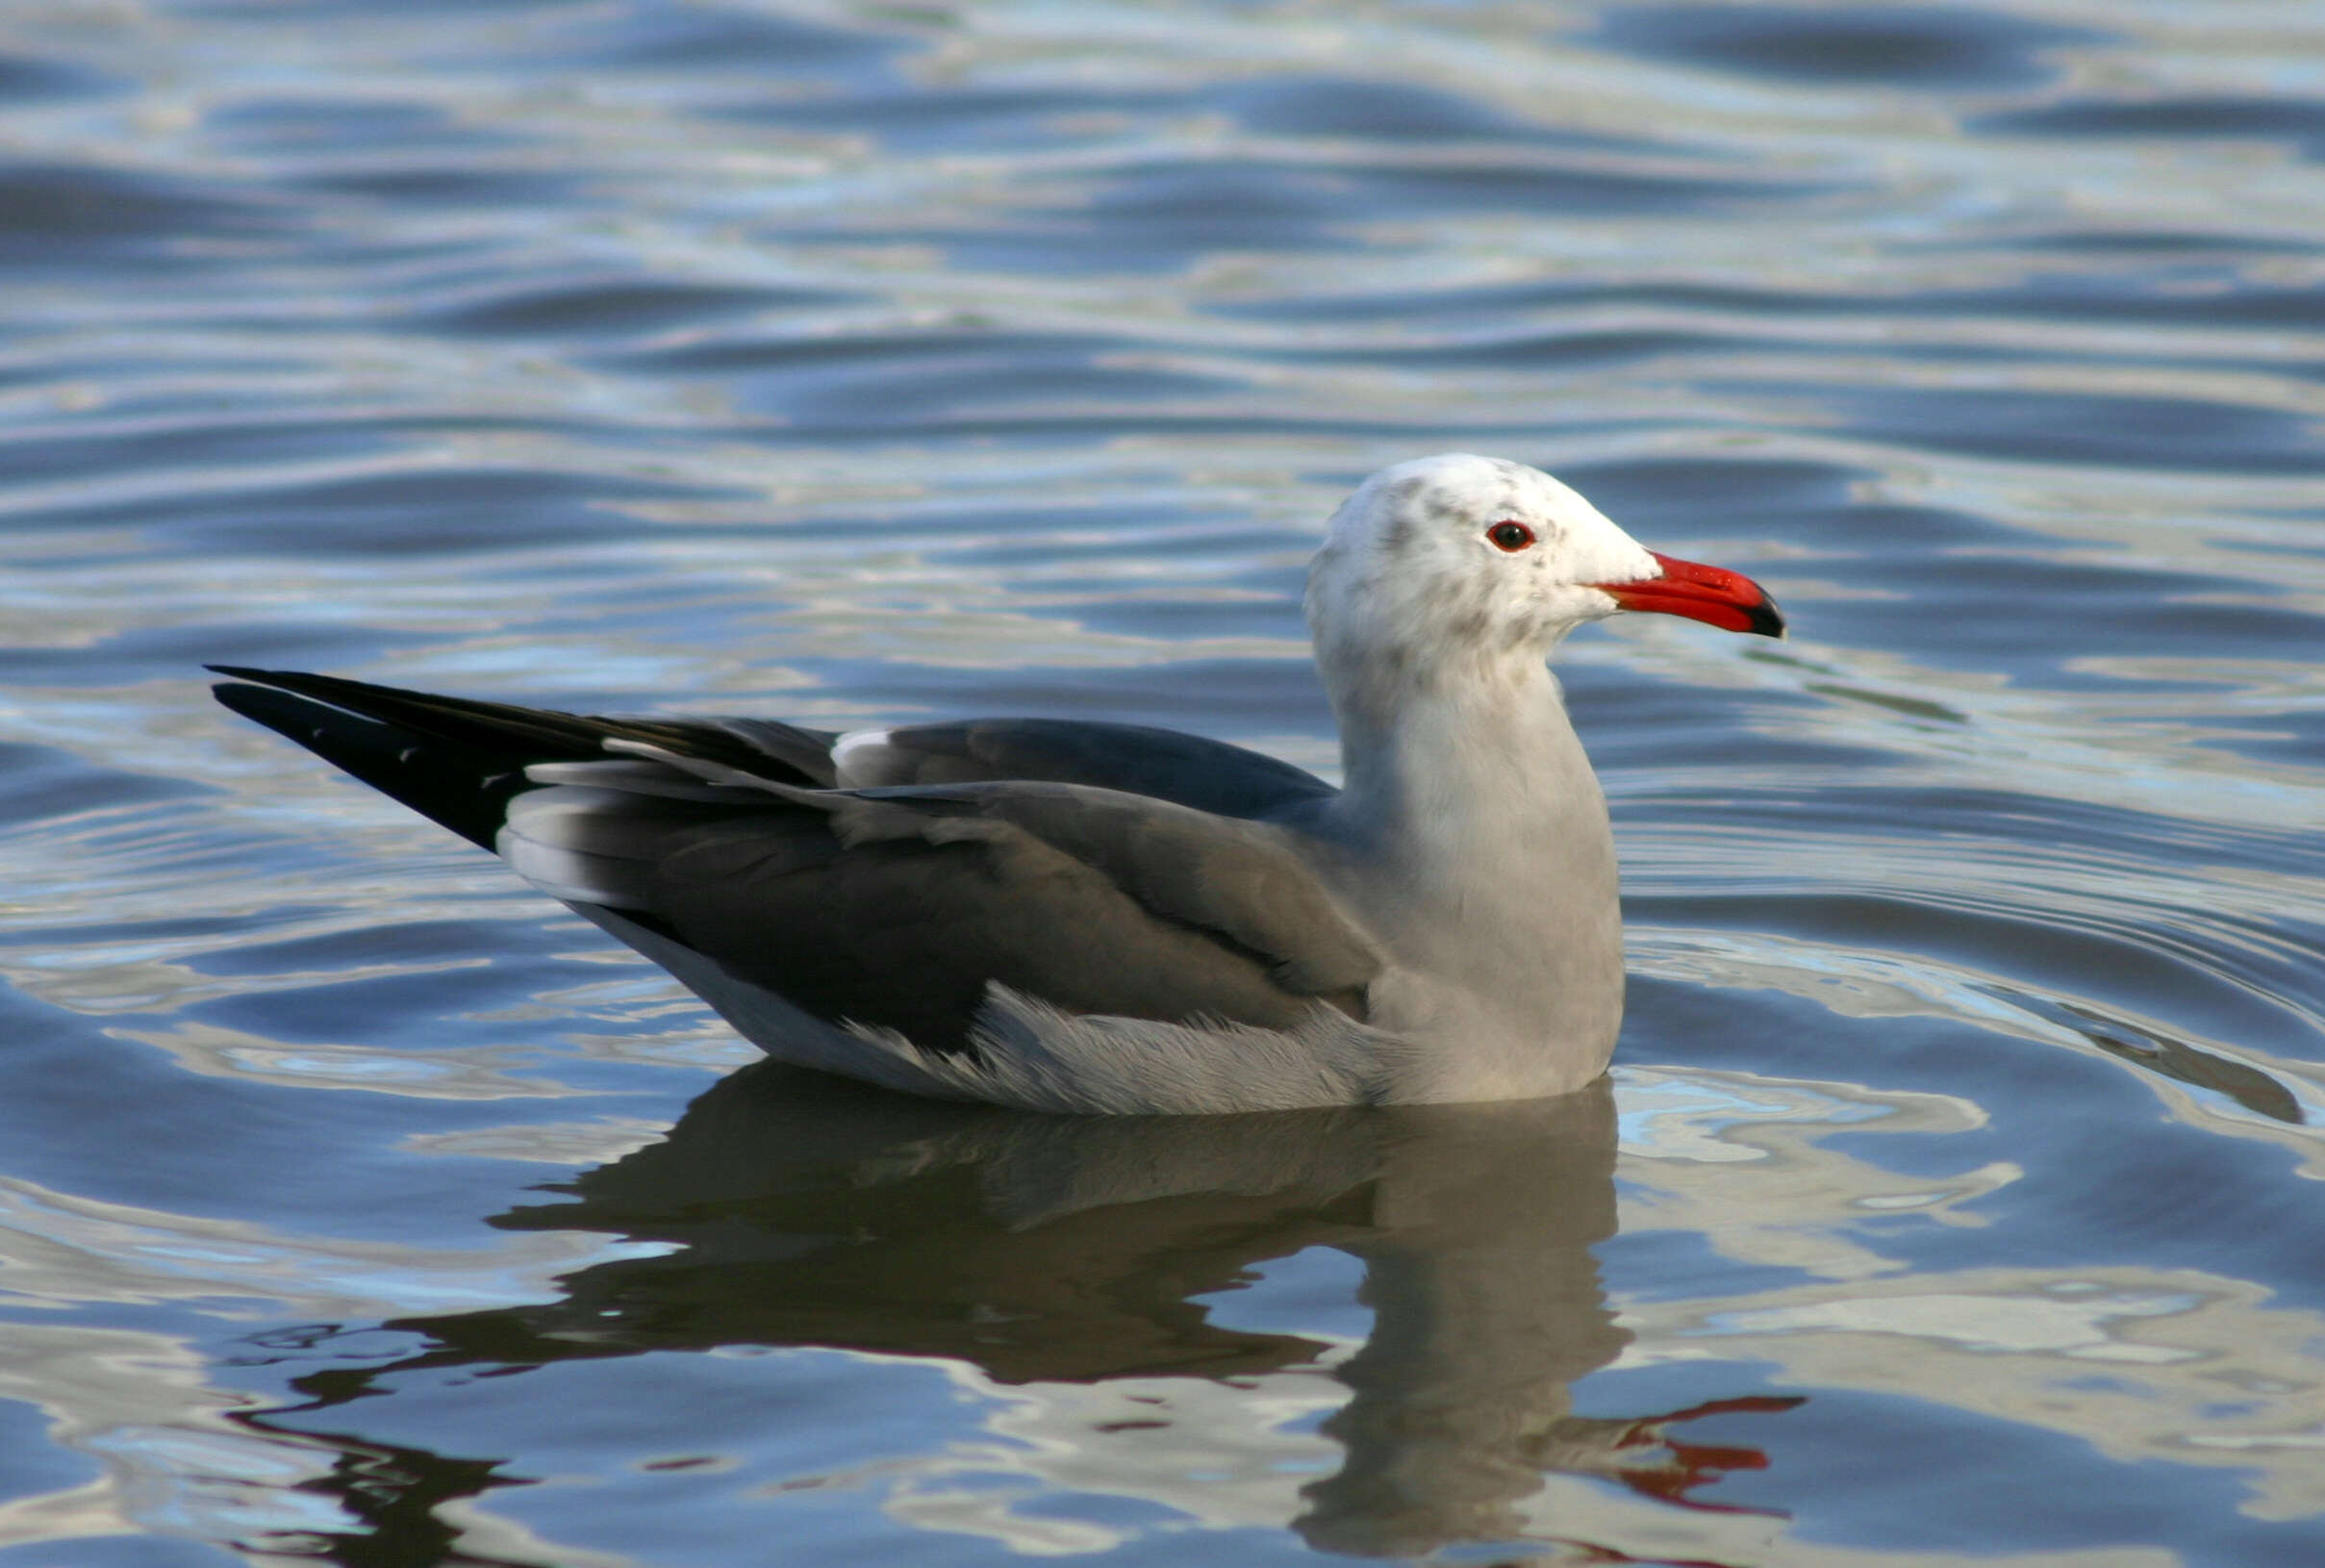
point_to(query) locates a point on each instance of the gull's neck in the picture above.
(1478, 839)
(1450, 759)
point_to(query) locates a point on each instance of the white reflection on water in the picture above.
(2200, 1370)
(141, 1404)
(147, 1405)
(62, 1251)
(2283, 1102)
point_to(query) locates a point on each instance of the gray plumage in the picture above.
(1084, 916)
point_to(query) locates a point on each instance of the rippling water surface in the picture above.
(1956, 1194)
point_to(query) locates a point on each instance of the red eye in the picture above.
(1512, 537)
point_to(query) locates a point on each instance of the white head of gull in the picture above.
(1081, 916)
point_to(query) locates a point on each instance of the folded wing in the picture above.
(892, 907)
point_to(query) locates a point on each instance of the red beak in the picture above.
(1713, 595)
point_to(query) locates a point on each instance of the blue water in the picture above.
(1955, 1196)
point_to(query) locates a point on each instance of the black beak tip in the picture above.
(1767, 621)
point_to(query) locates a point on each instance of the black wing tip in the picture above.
(451, 784)
(291, 714)
(327, 691)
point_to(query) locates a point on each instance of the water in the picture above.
(1956, 1194)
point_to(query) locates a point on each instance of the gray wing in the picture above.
(885, 906)
(1160, 764)
(897, 907)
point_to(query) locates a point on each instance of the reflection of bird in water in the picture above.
(1079, 917)
(808, 1211)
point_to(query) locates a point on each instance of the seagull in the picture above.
(1097, 917)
